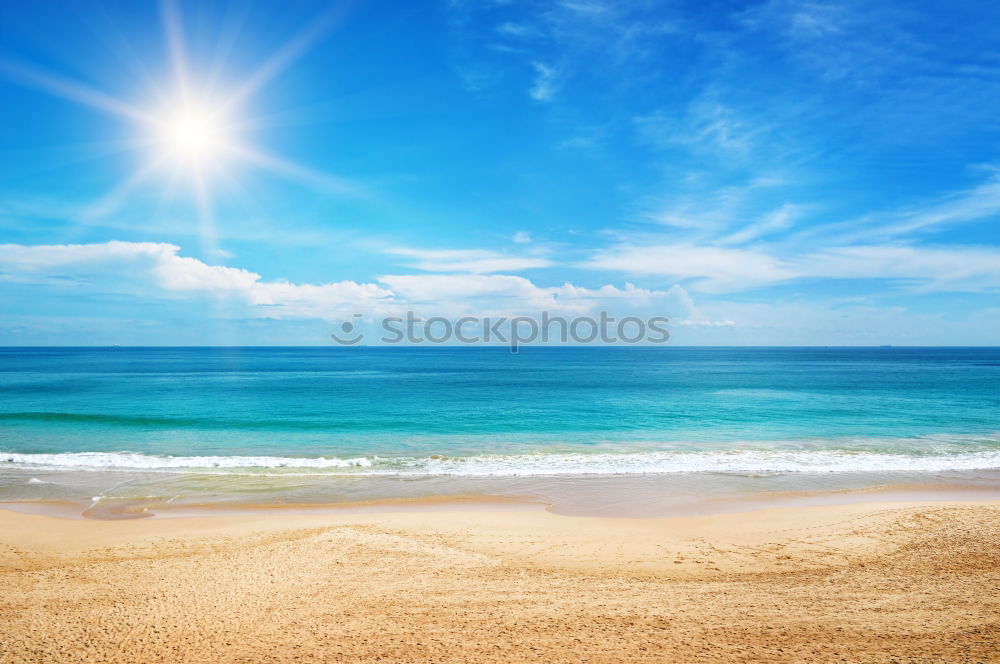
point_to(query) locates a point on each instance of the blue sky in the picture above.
(761, 173)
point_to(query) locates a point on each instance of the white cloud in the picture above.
(973, 204)
(714, 268)
(543, 88)
(144, 268)
(722, 269)
(498, 294)
(556, 40)
(148, 270)
(512, 29)
(955, 267)
(800, 21)
(715, 209)
(777, 220)
(707, 125)
(522, 237)
(590, 8)
(478, 261)
(704, 322)
(455, 289)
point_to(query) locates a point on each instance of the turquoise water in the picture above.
(419, 413)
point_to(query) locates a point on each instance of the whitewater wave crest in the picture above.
(638, 463)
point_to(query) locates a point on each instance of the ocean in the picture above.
(583, 429)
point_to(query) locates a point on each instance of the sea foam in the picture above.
(541, 464)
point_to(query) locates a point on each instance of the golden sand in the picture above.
(886, 582)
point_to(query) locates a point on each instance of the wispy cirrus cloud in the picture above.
(476, 261)
(772, 222)
(707, 125)
(544, 86)
(514, 29)
(976, 203)
(766, 208)
(958, 268)
(710, 212)
(858, 47)
(555, 40)
(729, 269)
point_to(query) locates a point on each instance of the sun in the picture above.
(192, 134)
(193, 130)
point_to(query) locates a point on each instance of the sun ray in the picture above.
(236, 18)
(285, 56)
(113, 200)
(72, 90)
(173, 32)
(73, 155)
(206, 219)
(296, 172)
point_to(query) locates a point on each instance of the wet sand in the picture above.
(876, 582)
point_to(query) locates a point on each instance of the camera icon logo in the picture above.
(347, 329)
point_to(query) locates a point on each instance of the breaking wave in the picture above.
(540, 464)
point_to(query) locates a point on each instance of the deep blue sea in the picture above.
(183, 419)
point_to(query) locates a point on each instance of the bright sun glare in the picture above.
(192, 135)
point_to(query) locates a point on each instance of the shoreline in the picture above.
(642, 495)
(133, 509)
(875, 581)
(74, 511)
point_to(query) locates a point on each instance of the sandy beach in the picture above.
(876, 582)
